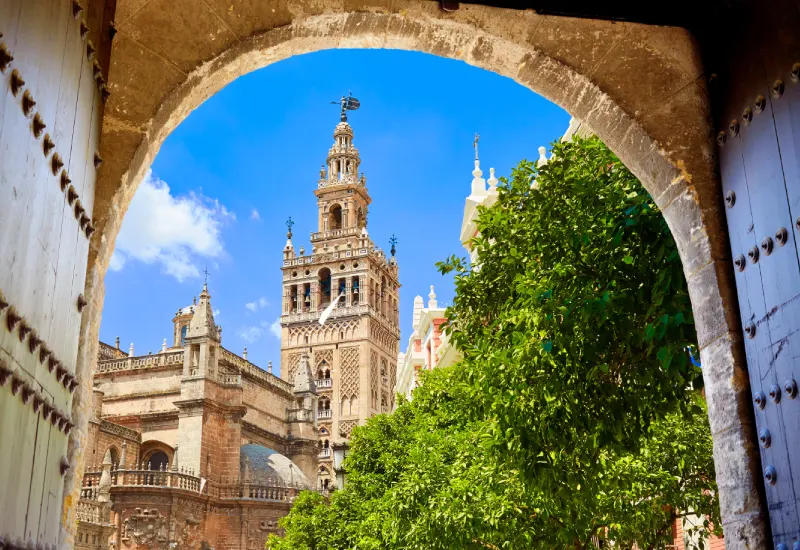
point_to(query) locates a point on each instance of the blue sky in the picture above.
(230, 175)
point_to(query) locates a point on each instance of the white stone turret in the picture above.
(432, 303)
(492, 181)
(418, 306)
(478, 183)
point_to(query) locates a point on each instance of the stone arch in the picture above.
(155, 449)
(335, 217)
(641, 89)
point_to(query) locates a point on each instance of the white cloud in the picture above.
(171, 231)
(250, 334)
(275, 328)
(216, 312)
(254, 333)
(254, 215)
(255, 305)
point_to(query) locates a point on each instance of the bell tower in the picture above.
(340, 303)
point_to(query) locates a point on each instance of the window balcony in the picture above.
(324, 413)
(325, 453)
(324, 383)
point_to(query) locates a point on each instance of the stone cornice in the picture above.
(139, 395)
(189, 406)
(121, 431)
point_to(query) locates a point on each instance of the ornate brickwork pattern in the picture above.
(324, 356)
(383, 337)
(294, 361)
(385, 405)
(323, 334)
(373, 379)
(346, 427)
(348, 379)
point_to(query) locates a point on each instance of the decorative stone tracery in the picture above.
(348, 379)
(294, 361)
(346, 427)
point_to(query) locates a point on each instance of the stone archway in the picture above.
(641, 89)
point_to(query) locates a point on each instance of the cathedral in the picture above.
(197, 447)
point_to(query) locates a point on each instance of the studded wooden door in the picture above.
(50, 113)
(759, 151)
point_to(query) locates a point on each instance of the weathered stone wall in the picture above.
(99, 441)
(265, 409)
(221, 441)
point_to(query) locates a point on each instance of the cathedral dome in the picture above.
(263, 465)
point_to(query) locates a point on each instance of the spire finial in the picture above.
(289, 224)
(348, 103)
(393, 242)
(475, 144)
(205, 282)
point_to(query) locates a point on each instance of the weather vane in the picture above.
(348, 103)
(289, 224)
(205, 270)
(475, 144)
(393, 242)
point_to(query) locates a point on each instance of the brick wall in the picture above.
(220, 446)
(713, 543)
(100, 441)
(265, 409)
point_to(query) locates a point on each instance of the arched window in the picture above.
(114, 456)
(355, 291)
(184, 328)
(324, 287)
(158, 461)
(335, 217)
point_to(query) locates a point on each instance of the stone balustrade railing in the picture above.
(141, 362)
(324, 413)
(247, 368)
(323, 383)
(172, 479)
(254, 491)
(326, 256)
(92, 511)
(334, 233)
(300, 415)
(325, 453)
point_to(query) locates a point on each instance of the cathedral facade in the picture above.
(197, 447)
(341, 304)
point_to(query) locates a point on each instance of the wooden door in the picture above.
(758, 124)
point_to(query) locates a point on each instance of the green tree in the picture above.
(574, 412)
